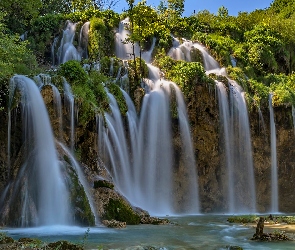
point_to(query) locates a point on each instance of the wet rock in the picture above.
(114, 223)
(153, 220)
(64, 245)
(5, 239)
(103, 183)
(261, 236)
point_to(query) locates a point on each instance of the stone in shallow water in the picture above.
(114, 223)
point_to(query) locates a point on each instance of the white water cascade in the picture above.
(67, 50)
(241, 193)
(143, 159)
(274, 168)
(83, 40)
(124, 49)
(70, 106)
(43, 191)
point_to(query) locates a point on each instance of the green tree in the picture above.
(223, 12)
(19, 13)
(177, 6)
(15, 58)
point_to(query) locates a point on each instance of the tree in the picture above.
(55, 7)
(223, 12)
(15, 58)
(177, 6)
(105, 4)
(19, 13)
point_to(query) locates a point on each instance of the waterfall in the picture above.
(124, 49)
(70, 106)
(81, 178)
(241, 194)
(67, 50)
(274, 167)
(142, 157)
(43, 191)
(83, 40)
(226, 127)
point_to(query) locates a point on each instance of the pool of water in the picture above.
(186, 232)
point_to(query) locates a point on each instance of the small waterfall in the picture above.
(45, 80)
(83, 40)
(124, 50)
(81, 178)
(274, 167)
(40, 184)
(226, 127)
(293, 116)
(70, 106)
(238, 150)
(67, 50)
(53, 50)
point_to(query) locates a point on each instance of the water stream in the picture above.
(210, 232)
(274, 168)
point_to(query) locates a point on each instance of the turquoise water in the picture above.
(188, 232)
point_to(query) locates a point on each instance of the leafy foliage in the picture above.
(15, 58)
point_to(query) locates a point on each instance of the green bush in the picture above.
(73, 72)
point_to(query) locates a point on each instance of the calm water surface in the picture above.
(189, 232)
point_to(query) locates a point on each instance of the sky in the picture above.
(233, 6)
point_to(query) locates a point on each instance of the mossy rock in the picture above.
(103, 183)
(64, 245)
(120, 211)
(234, 248)
(243, 219)
(82, 212)
(6, 239)
(196, 55)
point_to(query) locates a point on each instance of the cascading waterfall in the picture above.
(124, 50)
(40, 183)
(274, 167)
(83, 40)
(142, 159)
(81, 178)
(67, 50)
(226, 128)
(142, 163)
(43, 193)
(241, 193)
(70, 106)
(45, 80)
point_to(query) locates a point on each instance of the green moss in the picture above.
(243, 219)
(116, 91)
(82, 210)
(64, 245)
(4, 239)
(103, 183)
(118, 210)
